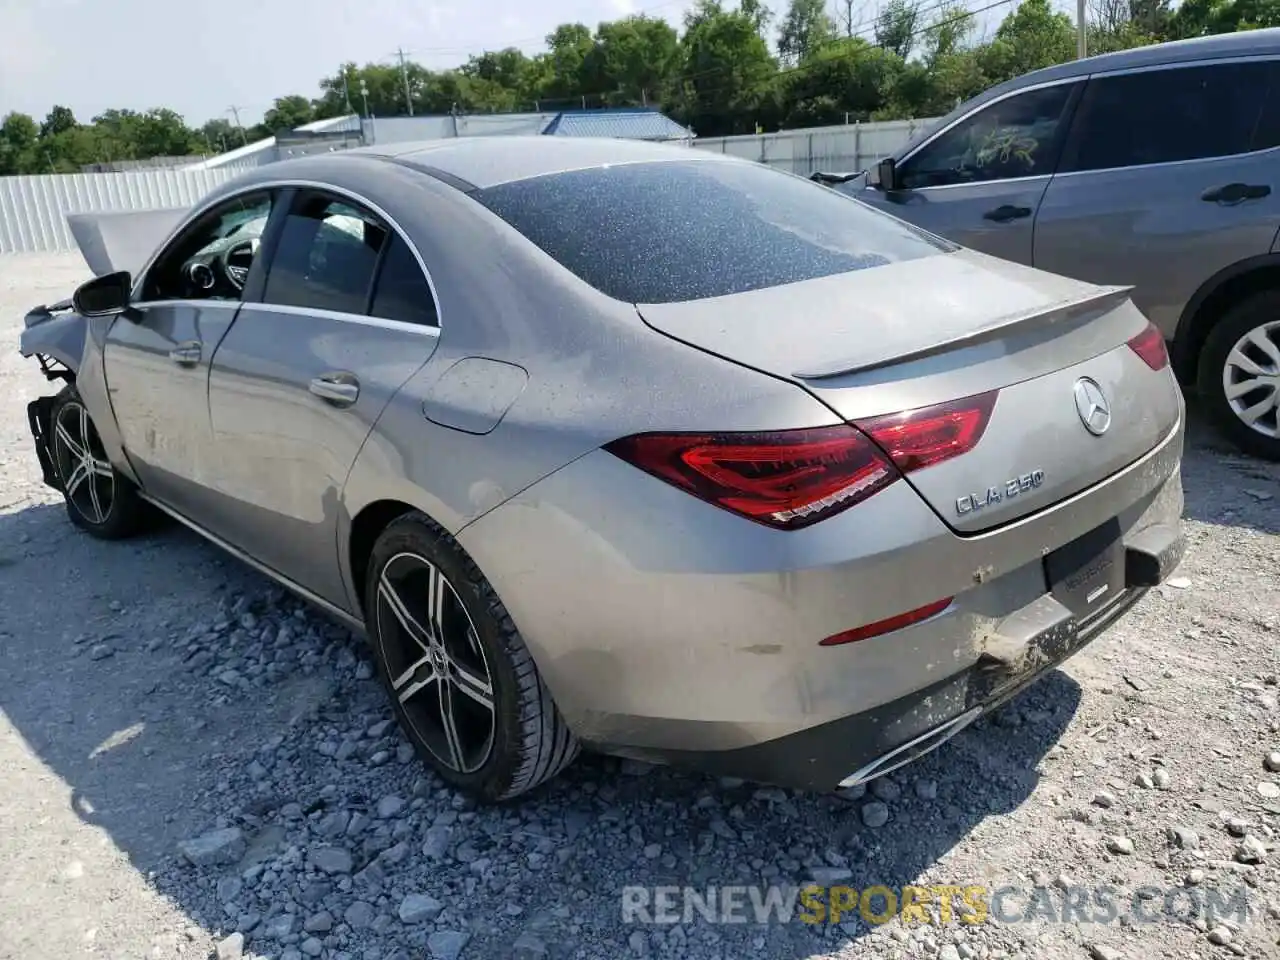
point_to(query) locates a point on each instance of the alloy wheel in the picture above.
(435, 662)
(1251, 379)
(87, 476)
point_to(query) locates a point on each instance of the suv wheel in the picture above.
(1239, 374)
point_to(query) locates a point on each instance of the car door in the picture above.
(347, 315)
(156, 357)
(1167, 177)
(979, 181)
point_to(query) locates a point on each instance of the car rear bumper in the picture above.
(860, 747)
(665, 627)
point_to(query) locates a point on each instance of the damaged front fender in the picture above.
(61, 336)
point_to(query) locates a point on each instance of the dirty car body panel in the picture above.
(798, 504)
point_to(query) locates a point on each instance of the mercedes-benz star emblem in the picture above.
(1091, 404)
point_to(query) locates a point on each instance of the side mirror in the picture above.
(103, 296)
(887, 173)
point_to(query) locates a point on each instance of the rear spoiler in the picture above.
(122, 240)
(1105, 298)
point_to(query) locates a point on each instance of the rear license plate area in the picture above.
(1088, 573)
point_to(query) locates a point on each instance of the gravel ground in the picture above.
(192, 762)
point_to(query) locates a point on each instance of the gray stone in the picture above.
(1271, 762)
(885, 789)
(447, 944)
(216, 848)
(1120, 845)
(359, 915)
(278, 927)
(418, 908)
(331, 860)
(875, 814)
(388, 807)
(1251, 850)
(321, 922)
(312, 947)
(334, 824)
(230, 948)
(528, 946)
(1183, 838)
(437, 843)
(1220, 936)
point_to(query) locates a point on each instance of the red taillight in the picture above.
(790, 479)
(920, 438)
(787, 479)
(1149, 345)
(888, 624)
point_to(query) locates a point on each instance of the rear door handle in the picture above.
(186, 354)
(339, 388)
(1234, 193)
(1007, 212)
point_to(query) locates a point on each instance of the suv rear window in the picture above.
(668, 231)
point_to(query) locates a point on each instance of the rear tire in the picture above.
(462, 683)
(100, 500)
(1238, 375)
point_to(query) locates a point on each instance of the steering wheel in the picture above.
(236, 261)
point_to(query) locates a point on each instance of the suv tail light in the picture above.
(789, 479)
(1149, 345)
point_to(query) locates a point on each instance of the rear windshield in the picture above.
(667, 231)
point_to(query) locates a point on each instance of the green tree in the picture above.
(896, 27)
(726, 70)
(806, 29)
(632, 60)
(1031, 37)
(59, 120)
(18, 138)
(289, 113)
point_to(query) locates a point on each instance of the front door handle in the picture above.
(186, 354)
(1006, 213)
(339, 388)
(1234, 193)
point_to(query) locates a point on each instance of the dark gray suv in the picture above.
(1158, 168)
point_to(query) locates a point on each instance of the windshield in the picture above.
(662, 232)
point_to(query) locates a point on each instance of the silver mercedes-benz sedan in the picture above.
(632, 447)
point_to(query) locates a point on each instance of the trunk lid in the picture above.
(936, 329)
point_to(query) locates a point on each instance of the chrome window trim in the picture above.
(361, 318)
(1178, 65)
(283, 184)
(978, 183)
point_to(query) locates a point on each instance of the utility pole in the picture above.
(1082, 32)
(404, 75)
(235, 112)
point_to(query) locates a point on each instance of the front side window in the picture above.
(1019, 136)
(326, 257)
(674, 230)
(1162, 116)
(211, 259)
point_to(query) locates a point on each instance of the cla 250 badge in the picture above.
(1006, 491)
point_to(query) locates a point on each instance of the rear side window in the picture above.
(1162, 116)
(326, 258)
(402, 292)
(675, 230)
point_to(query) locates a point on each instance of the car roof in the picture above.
(1246, 43)
(480, 162)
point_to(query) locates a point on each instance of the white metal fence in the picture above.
(844, 149)
(33, 210)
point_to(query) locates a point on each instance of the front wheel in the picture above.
(461, 680)
(99, 499)
(1239, 374)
